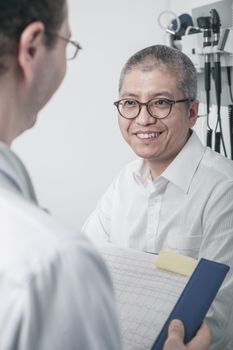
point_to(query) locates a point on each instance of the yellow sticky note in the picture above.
(175, 262)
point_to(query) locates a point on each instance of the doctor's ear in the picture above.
(31, 48)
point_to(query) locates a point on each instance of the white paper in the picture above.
(145, 295)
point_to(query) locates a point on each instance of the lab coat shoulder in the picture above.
(55, 290)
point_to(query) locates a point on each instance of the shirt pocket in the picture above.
(186, 245)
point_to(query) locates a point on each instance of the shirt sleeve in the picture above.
(97, 227)
(68, 304)
(218, 245)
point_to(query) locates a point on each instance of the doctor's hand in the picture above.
(175, 339)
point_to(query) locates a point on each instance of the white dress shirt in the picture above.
(55, 291)
(187, 209)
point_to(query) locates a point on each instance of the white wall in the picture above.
(76, 149)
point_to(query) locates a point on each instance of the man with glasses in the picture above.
(178, 194)
(55, 291)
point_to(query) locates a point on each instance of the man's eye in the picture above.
(129, 103)
(161, 102)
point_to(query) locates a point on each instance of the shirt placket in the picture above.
(156, 191)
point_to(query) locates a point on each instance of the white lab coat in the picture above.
(55, 291)
(13, 174)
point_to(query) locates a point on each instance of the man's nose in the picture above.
(144, 117)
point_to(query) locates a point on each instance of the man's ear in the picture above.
(31, 44)
(193, 113)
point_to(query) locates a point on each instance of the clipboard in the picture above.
(195, 300)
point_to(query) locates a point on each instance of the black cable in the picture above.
(209, 138)
(230, 115)
(218, 89)
(231, 94)
(217, 141)
(229, 82)
(215, 25)
(221, 136)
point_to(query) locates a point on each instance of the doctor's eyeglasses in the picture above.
(72, 49)
(158, 108)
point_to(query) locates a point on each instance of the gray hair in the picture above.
(165, 58)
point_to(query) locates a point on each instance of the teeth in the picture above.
(148, 136)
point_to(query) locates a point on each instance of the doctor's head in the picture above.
(17, 15)
(34, 35)
(157, 103)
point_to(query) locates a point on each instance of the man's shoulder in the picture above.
(218, 164)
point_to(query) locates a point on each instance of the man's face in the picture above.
(166, 136)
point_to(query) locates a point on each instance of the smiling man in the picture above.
(158, 132)
(178, 194)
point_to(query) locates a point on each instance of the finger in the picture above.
(202, 339)
(175, 340)
(176, 329)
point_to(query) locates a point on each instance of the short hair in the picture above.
(165, 58)
(16, 15)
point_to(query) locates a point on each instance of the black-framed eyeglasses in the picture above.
(158, 108)
(72, 49)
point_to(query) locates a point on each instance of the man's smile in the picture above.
(149, 135)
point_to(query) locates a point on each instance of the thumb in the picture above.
(175, 340)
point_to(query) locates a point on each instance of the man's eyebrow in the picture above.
(163, 93)
(128, 94)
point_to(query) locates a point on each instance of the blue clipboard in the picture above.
(195, 300)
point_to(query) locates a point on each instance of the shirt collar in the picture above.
(141, 173)
(181, 170)
(13, 171)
